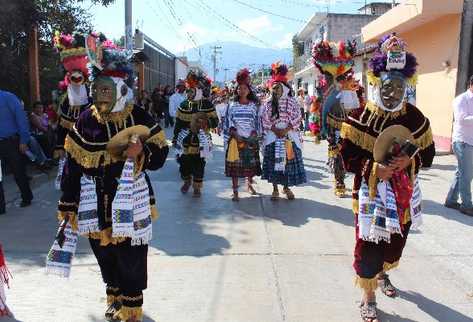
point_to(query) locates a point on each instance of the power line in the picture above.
(165, 18)
(234, 26)
(179, 22)
(269, 12)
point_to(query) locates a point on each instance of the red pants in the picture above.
(371, 258)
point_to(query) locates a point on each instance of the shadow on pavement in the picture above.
(437, 311)
(388, 317)
(96, 319)
(434, 208)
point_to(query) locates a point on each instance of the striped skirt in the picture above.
(247, 166)
(294, 173)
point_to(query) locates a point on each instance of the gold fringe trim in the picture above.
(425, 140)
(333, 152)
(389, 266)
(362, 139)
(186, 117)
(125, 313)
(105, 237)
(73, 219)
(66, 124)
(367, 284)
(112, 299)
(333, 123)
(191, 150)
(86, 158)
(355, 206)
(158, 139)
(154, 213)
(373, 181)
(378, 111)
(197, 185)
(116, 117)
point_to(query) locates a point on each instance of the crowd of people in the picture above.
(106, 142)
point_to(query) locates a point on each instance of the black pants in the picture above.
(43, 141)
(10, 154)
(124, 270)
(2, 199)
(192, 166)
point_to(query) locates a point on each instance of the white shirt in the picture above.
(463, 118)
(174, 102)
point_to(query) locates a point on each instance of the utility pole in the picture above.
(214, 59)
(128, 25)
(465, 67)
(33, 64)
(226, 70)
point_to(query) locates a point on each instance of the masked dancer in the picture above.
(385, 146)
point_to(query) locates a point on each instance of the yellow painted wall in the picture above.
(434, 43)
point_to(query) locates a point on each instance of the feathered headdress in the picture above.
(198, 80)
(334, 58)
(392, 55)
(72, 51)
(278, 73)
(108, 59)
(243, 77)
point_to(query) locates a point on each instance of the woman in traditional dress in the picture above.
(242, 126)
(281, 117)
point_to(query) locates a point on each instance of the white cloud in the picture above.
(256, 25)
(193, 30)
(286, 41)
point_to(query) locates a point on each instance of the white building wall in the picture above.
(181, 70)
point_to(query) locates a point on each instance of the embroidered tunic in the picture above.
(289, 113)
(244, 118)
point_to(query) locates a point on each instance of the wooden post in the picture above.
(33, 64)
(141, 76)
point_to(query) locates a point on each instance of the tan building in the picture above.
(431, 29)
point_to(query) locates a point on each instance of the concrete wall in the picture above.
(433, 46)
(345, 26)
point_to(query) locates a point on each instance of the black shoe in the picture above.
(467, 211)
(25, 203)
(452, 205)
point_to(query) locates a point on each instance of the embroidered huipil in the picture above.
(289, 113)
(244, 118)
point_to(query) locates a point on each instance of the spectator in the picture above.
(40, 128)
(462, 139)
(144, 101)
(176, 99)
(166, 94)
(156, 98)
(40, 158)
(14, 138)
(307, 107)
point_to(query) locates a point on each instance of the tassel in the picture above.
(233, 155)
(289, 150)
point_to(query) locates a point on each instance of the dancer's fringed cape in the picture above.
(359, 134)
(86, 149)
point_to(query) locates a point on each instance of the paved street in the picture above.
(212, 260)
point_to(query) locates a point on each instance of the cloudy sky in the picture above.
(182, 24)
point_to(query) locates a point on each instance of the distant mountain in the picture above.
(235, 56)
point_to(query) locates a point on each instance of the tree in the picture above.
(16, 21)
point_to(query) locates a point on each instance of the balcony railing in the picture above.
(301, 62)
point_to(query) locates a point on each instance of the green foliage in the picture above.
(16, 19)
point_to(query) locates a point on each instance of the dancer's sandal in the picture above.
(112, 311)
(368, 312)
(185, 187)
(235, 196)
(275, 195)
(387, 287)
(289, 194)
(196, 193)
